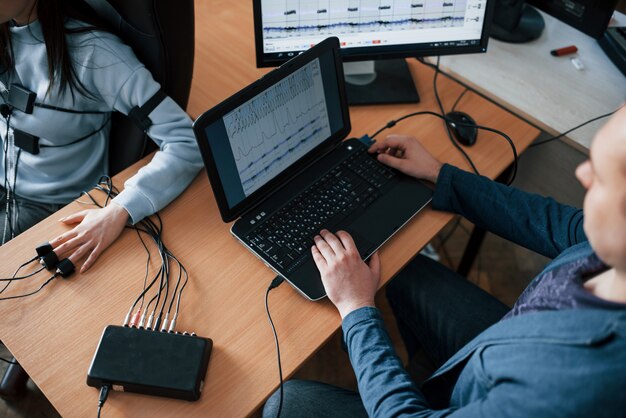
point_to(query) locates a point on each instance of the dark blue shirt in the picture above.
(563, 288)
(548, 358)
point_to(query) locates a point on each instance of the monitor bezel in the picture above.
(212, 115)
(375, 52)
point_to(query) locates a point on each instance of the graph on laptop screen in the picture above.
(273, 130)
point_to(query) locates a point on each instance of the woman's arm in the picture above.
(116, 76)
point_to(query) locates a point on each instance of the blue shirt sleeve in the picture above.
(538, 223)
(387, 390)
(385, 387)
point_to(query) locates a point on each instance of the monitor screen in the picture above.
(267, 134)
(370, 29)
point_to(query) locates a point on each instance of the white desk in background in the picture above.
(548, 91)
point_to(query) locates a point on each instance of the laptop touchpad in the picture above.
(364, 246)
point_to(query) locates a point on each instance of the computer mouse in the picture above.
(463, 127)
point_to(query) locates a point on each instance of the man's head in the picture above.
(604, 177)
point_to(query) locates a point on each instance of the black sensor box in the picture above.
(150, 362)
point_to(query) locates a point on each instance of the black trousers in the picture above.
(439, 310)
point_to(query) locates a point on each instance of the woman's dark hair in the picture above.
(52, 16)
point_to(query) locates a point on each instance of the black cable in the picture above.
(10, 279)
(5, 149)
(14, 188)
(180, 274)
(275, 283)
(147, 289)
(153, 228)
(147, 227)
(104, 394)
(545, 141)
(34, 292)
(145, 279)
(104, 125)
(458, 99)
(17, 271)
(393, 123)
(180, 294)
(7, 361)
(447, 124)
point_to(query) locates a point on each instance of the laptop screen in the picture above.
(267, 134)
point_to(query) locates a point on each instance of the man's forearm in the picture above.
(385, 387)
(530, 220)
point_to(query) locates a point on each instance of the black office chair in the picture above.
(161, 33)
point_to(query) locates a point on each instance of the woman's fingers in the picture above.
(97, 251)
(63, 238)
(68, 246)
(74, 218)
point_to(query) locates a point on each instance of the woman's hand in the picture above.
(96, 230)
(405, 153)
(350, 283)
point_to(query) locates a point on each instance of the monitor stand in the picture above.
(379, 82)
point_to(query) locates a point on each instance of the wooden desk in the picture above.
(54, 334)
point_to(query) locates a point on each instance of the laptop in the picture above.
(280, 166)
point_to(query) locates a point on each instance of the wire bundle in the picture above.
(15, 277)
(150, 315)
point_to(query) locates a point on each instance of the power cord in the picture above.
(104, 394)
(275, 283)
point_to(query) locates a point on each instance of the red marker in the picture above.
(564, 51)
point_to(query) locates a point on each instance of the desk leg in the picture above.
(13, 382)
(478, 235)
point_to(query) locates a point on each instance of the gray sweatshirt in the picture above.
(111, 72)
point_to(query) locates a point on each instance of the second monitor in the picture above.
(375, 36)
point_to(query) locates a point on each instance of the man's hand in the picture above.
(96, 230)
(350, 283)
(406, 154)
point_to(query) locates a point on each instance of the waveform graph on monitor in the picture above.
(305, 18)
(271, 131)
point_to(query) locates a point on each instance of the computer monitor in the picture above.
(372, 30)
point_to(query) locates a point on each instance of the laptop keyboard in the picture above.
(286, 236)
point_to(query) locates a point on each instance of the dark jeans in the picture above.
(435, 308)
(28, 214)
